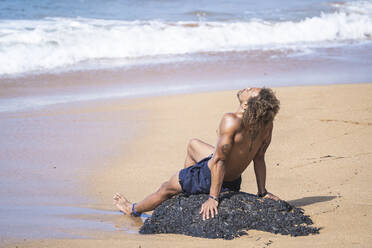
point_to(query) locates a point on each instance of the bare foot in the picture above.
(122, 204)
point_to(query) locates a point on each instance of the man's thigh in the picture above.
(174, 186)
(200, 149)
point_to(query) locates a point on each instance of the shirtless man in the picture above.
(243, 136)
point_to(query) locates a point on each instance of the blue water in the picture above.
(52, 37)
(46, 36)
(167, 10)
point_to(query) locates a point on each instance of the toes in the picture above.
(122, 203)
(117, 196)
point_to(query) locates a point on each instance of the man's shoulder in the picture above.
(230, 123)
(232, 117)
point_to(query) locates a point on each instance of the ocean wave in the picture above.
(359, 7)
(39, 45)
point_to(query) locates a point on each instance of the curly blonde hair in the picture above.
(261, 110)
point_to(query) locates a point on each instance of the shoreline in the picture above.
(295, 157)
(205, 73)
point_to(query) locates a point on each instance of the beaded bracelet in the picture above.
(262, 194)
(214, 198)
(134, 213)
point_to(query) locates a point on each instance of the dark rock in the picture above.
(237, 213)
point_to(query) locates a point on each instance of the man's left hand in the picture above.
(209, 208)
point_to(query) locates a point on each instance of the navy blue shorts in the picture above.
(196, 179)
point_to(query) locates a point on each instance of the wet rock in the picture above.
(238, 212)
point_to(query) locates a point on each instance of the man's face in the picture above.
(244, 94)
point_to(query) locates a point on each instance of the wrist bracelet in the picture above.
(134, 213)
(262, 194)
(214, 198)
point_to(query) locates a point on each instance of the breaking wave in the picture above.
(50, 43)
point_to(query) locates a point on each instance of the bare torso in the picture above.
(243, 149)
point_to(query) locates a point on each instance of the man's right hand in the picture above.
(271, 196)
(209, 207)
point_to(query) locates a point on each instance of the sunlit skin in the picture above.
(232, 154)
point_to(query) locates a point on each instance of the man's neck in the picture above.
(239, 112)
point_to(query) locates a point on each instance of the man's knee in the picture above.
(191, 146)
(166, 190)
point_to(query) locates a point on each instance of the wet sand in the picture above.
(319, 159)
(204, 72)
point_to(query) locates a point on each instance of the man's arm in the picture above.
(227, 129)
(260, 167)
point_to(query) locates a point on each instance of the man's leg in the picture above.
(166, 190)
(196, 151)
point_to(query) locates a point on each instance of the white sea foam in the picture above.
(360, 7)
(50, 43)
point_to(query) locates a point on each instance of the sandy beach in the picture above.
(319, 160)
(101, 97)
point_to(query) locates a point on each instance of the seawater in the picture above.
(46, 36)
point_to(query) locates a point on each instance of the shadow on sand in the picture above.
(310, 200)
